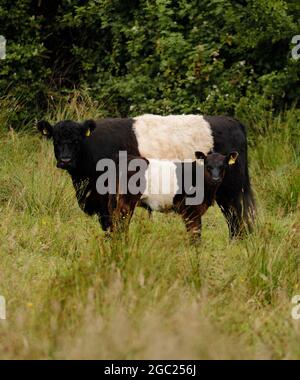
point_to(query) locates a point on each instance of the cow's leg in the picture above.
(122, 218)
(231, 207)
(105, 222)
(192, 219)
(123, 212)
(105, 214)
(149, 210)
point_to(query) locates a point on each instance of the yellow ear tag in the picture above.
(45, 132)
(88, 133)
(231, 161)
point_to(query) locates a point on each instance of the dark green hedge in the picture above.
(163, 56)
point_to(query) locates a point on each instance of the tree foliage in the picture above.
(162, 56)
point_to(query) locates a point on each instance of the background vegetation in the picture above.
(70, 292)
(135, 56)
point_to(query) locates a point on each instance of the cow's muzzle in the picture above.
(217, 179)
(64, 163)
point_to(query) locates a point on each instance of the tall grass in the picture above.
(72, 293)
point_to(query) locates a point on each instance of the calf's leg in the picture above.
(231, 208)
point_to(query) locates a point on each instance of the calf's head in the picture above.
(68, 138)
(215, 165)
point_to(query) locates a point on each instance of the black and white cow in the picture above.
(79, 146)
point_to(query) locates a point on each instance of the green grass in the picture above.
(71, 293)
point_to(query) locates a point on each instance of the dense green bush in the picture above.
(134, 56)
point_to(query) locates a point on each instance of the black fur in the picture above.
(234, 196)
(108, 136)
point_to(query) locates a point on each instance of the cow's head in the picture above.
(215, 165)
(68, 137)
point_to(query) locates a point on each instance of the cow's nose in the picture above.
(63, 163)
(216, 179)
(66, 160)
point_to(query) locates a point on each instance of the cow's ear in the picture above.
(232, 157)
(45, 128)
(200, 155)
(88, 127)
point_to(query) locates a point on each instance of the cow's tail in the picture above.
(248, 200)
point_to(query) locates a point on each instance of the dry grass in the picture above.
(73, 294)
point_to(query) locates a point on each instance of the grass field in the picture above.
(73, 294)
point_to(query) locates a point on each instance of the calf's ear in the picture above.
(232, 157)
(200, 155)
(45, 128)
(87, 127)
